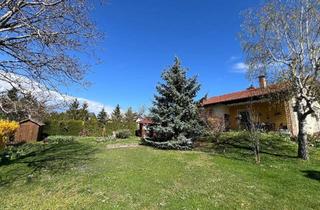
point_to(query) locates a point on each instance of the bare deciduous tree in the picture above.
(40, 41)
(282, 39)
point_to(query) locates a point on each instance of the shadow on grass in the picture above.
(45, 158)
(312, 174)
(238, 146)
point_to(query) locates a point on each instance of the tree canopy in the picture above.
(174, 110)
(102, 116)
(281, 39)
(38, 41)
(116, 115)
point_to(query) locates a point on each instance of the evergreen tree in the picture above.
(21, 106)
(11, 101)
(13, 94)
(73, 111)
(102, 116)
(130, 115)
(84, 113)
(175, 110)
(32, 107)
(116, 115)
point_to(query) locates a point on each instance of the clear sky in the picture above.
(142, 38)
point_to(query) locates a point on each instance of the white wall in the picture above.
(312, 121)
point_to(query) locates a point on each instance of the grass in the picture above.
(84, 174)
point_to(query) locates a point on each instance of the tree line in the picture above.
(77, 111)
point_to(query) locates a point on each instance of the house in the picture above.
(238, 109)
(28, 131)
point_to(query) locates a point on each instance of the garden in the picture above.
(99, 173)
(185, 162)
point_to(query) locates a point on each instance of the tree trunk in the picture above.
(302, 140)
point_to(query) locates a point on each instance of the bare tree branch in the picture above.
(39, 40)
(282, 39)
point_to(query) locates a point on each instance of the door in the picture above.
(244, 120)
(227, 122)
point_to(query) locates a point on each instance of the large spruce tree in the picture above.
(175, 112)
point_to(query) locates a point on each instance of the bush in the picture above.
(63, 127)
(123, 134)
(59, 139)
(7, 130)
(86, 128)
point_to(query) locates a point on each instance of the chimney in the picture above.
(262, 81)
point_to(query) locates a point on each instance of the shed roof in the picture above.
(32, 120)
(145, 121)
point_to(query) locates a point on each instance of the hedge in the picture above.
(86, 128)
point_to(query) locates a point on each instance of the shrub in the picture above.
(65, 128)
(123, 134)
(215, 127)
(7, 130)
(86, 128)
(59, 139)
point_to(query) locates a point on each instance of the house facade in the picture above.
(236, 110)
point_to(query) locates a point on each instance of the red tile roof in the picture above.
(245, 94)
(145, 121)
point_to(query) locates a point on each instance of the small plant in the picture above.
(314, 140)
(123, 134)
(15, 152)
(7, 130)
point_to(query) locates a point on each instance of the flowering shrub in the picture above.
(7, 130)
(215, 126)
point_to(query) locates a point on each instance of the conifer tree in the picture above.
(21, 105)
(116, 115)
(73, 111)
(84, 113)
(130, 115)
(175, 110)
(102, 116)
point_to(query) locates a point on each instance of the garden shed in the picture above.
(29, 130)
(143, 125)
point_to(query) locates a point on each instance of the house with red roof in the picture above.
(236, 110)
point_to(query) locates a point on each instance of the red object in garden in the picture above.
(143, 127)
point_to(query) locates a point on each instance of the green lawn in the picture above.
(84, 174)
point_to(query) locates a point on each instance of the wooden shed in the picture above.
(28, 131)
(143, 127)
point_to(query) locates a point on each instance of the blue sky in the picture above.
(142, 38)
